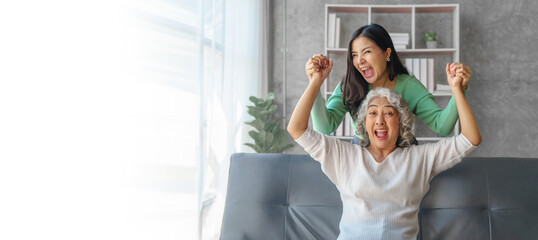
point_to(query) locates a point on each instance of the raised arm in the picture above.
(457, 78)
(326, 117)
(317, 68)
(423, 105)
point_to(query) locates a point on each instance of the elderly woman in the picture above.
(382, 181)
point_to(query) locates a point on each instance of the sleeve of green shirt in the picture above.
(422, 104)
(327, 117)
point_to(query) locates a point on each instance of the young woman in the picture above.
(373, 62)
(382, 181)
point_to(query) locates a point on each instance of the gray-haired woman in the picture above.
(382, 182)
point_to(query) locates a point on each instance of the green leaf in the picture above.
(273, 108)
(281, 136)
(261, 137)
(255, 100)
(279, 147)
(430, 36)
(259, 114)
(267, 113)
(277, 127)
(270, 96)
(262, 105)
(267, 102)
(256, 136)
(268, 140)
(269, 137)
(255, 147)
(282, 148)
(257, 124)
(271, 125)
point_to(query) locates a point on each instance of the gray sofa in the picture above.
(282, 196)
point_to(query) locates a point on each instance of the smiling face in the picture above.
(382, 124)
(370, 60)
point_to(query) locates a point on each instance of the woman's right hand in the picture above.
(458, 75)
(318, 68)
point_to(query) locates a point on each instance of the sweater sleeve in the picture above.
(332, 154)
(422, 104)
(446, 153)
(327, 118)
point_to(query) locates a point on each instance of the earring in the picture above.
(388, 60)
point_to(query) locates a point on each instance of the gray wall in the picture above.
(498, 40)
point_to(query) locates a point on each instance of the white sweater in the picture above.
(382, 200)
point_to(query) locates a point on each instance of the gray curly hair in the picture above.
(405, 136)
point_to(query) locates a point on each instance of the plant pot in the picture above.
(431, 44)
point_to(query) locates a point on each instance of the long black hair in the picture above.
(354, 87)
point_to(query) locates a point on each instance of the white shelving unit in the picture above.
(406, 18)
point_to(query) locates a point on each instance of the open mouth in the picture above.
(367, 72)
(381, 133)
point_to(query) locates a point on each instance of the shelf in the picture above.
(343, 8)
(423, 139)
(413, 19)
(442, 93)
(336, 50)
(405, 51)
(429, 139)
(391, 9)
(342, 137)
(436, 8)
(438, 93)
(427, 51)
(400, 8)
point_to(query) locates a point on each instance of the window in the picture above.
(119, 117)
(165, 43)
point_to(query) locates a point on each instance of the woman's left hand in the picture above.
(458, 74)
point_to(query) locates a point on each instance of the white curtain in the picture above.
(65, 129)
(118, 118)
(100, 118)
(226, 97)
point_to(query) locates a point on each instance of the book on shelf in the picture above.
(409, 65)
(400, 40)
(345, 128)
(416, 67)
(400, 46)
(423, 70)
(338, 25)
(331, 30)
(399, 35)
(443, 87)
(431, 82)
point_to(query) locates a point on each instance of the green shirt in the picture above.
(327, 118)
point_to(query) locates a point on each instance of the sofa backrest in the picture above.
(283, 196)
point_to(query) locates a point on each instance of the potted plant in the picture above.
(431, 38)
(268, 136)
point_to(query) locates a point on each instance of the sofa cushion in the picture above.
(283, 196)
(279, 196)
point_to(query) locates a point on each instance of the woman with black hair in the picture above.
(373, 62)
